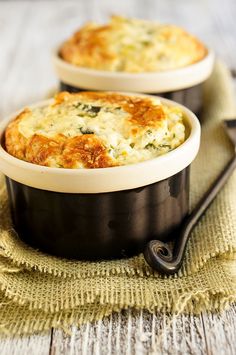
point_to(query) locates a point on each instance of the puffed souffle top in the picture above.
(95, 130)
(132, 45)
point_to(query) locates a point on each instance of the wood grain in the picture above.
(133, 332)
(28, 32)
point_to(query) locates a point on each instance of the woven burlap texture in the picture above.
(40, 291)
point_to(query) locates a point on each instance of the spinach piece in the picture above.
(150, 145)
(77, 105)
(85, 131)
(89, 110)
(146, 43)
(94, 109)
(165, 146)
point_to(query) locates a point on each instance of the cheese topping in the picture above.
(132, 45)
(95, 130)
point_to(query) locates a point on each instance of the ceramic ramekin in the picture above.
(100, 213)
(148, 82)
(175, 84)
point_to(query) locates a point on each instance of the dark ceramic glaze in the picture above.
(191, 97)
(99, 226)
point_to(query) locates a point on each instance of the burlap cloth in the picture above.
(39, 291)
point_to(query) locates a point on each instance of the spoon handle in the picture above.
(158, 254)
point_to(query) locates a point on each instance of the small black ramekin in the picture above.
(103, 225)
(102, 213)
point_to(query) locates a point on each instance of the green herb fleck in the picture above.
(85, 131)
(165, 146)
(150, 145)
(146, 43)
(87, 110)
(93, 111)
(77, 105)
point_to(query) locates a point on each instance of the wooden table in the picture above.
(28, 32)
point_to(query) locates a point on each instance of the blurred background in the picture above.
(31, 29)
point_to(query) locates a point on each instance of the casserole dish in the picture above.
(100, 213)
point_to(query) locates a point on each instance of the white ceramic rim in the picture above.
(148, 82)
(103, 179)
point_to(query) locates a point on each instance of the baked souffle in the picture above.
(132, 45)
(95, 130)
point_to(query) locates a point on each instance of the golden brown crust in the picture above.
(91, 43)
(39, 136)
(41, 150)
(132, 45)
(15, 142)
(86, 149)
(141, 109)
(60, 151)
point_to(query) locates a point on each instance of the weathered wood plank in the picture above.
(28, 345)
(142, 333)
(137, 333)
(220, 332)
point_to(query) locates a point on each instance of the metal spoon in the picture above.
(158, 254)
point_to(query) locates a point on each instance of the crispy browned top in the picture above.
(89, 150)
(141, 109)
(39, 136)
(132, 45)
(92, 45)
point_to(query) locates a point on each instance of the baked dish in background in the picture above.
(95, 130)
(132, 55)
(133, 46)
